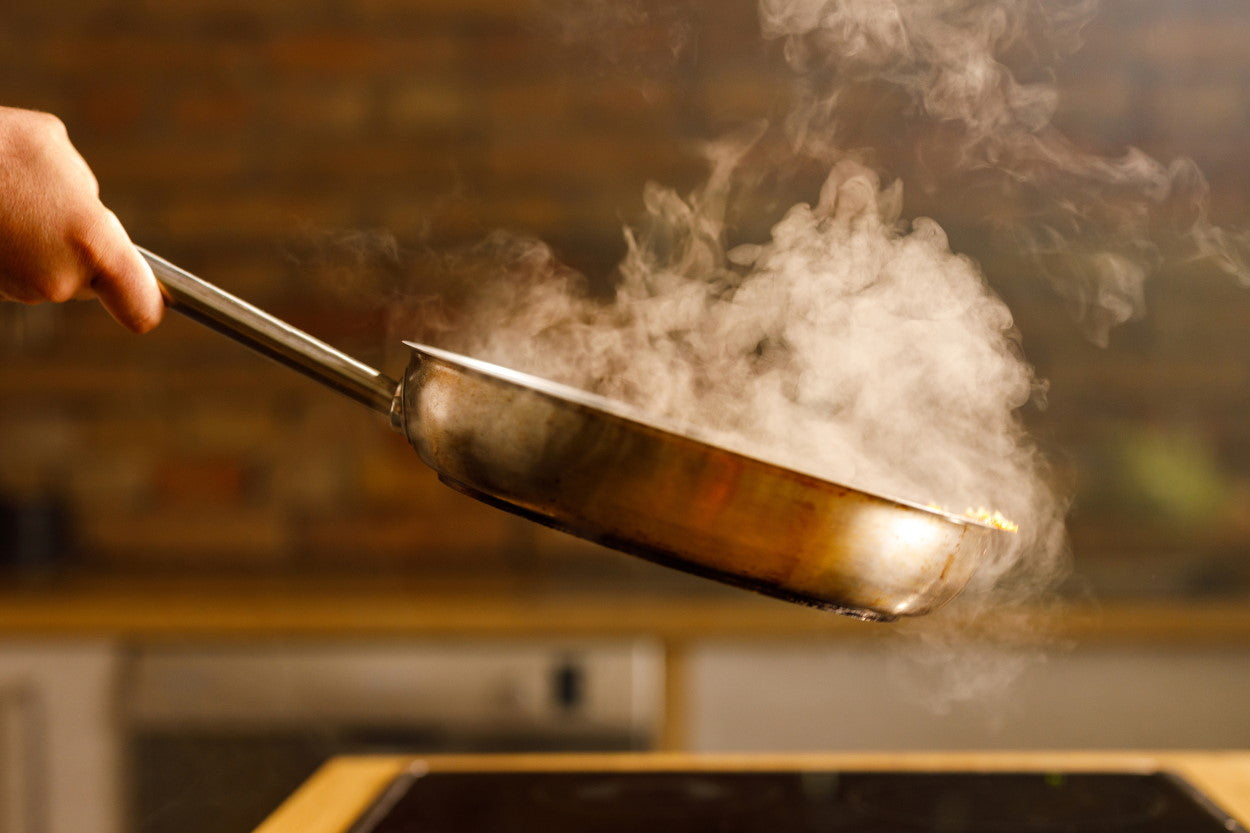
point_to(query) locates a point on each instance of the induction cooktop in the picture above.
(792, 802)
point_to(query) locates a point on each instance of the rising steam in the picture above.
(852, 345)
(1096, 227)
(851, 342)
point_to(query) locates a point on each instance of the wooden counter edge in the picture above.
(338, 793)
(155, 609)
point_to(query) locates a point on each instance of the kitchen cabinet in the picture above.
(60, 748)
(117, 733)
(773, 694)
(203, 716)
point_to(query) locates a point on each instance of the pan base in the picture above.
(675, 562)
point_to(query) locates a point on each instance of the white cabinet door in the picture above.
(59, 739)
(778, 696)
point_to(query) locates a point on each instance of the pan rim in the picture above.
(568, 394)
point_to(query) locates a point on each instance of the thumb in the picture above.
(123, 280)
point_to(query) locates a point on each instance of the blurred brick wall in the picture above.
(245, 140)
(240, 139)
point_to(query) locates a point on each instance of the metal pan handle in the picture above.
(273, 337)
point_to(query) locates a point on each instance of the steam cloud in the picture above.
(852, 342)
(1096, 227)
(851, 345)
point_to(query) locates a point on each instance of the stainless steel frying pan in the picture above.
(605, 472)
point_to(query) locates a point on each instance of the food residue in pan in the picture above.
(992, 517)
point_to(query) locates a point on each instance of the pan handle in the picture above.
(273, 337)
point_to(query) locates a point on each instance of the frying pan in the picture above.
(605, 472)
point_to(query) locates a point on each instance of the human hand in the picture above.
(57, 240)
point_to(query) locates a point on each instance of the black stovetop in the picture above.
(792, 802)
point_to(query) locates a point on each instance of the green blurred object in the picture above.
(1171, 472)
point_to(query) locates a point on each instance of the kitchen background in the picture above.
(318, 158)
(275, 147)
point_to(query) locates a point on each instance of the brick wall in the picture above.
(277, 147)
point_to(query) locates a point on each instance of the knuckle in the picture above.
(50, 124)
(35, 127)
(58, 288)
(37, 136)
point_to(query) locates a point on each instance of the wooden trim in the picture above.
(242, 608)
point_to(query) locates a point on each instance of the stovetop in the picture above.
(793, 802)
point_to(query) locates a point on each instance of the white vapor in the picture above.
(1097, 227)
(851, 342)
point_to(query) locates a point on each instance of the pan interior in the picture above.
(560, 391)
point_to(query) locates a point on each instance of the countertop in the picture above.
(224, 607)
(342, 789)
